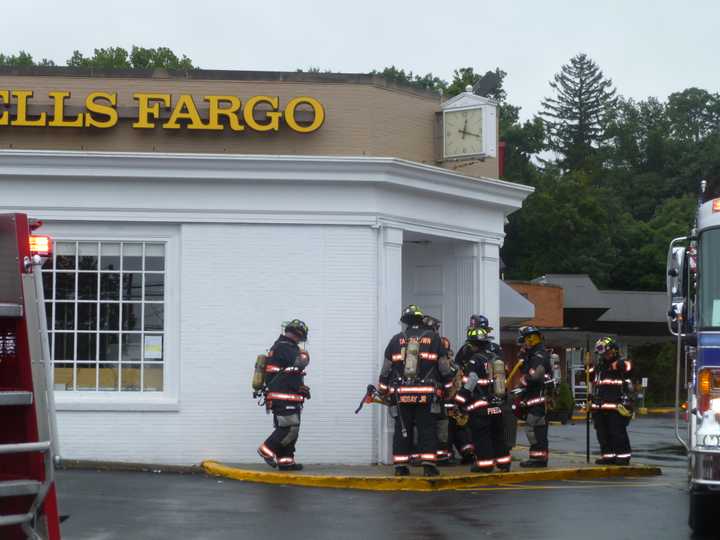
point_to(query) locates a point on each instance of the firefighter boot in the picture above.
(291, 467)
(269, 460)
(402, 470)
(430, 470)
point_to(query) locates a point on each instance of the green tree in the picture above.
(492, 87)
(424, 82)
(693, 114)
(655, 361)
(638, 156)
(564, 227)
(576, 117)
(138, 58)
(109, 58)
(162, 57)
(523, 141)
(23, 59)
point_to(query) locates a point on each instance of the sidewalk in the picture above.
(563, 466)
(580, 415)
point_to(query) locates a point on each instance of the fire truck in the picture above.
(693, 287)
(28, 433)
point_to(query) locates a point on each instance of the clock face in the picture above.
(463, 132)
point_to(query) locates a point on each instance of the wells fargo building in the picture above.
(193, 213)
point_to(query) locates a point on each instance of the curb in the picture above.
(442, 483)
(661, 410)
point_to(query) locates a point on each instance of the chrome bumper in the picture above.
(705, 468)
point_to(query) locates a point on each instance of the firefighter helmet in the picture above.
(412, 314)
(431, 322)
(606, 345)
(299, 328)
(529, 335)
(476, 334)
(479, 321)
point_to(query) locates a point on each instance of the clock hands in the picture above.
(465, 132)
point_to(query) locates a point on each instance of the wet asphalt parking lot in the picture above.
(124, 506)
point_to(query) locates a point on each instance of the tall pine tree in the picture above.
(576, 117)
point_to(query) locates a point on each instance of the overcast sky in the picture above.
(648, 47)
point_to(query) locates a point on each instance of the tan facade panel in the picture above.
(363, 116)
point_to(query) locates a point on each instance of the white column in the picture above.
(487, 279)
(389, 306)
(465, 254)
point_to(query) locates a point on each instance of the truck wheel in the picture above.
(702, 506)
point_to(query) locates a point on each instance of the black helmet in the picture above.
(495, 348)
(525, 331)
(431, 322)
(299, 328)
(476, 334)
(479, 321)
(412, 314)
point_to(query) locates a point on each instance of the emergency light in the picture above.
(708, 385)
(716, 205)
(40, 245)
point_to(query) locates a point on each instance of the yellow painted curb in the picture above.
(419, 483)
(660, 410)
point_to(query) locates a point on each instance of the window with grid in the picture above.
(105, 306)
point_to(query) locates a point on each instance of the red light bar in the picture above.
(716, 205)
(40, 245)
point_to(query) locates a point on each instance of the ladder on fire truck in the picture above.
(28, 440)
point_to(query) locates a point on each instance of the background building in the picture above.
(573, 313)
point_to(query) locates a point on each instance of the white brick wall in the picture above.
(237, 284)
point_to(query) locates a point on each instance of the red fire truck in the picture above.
(28, 433)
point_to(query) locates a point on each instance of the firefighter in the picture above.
(445, 455)
(285, 393)
(470, 347)
(482, 400)
(536, 377)
(411, 376)
(611, 404)
(460, 434)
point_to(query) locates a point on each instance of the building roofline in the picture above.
(370, 79)
(244, 167)
(532, 283)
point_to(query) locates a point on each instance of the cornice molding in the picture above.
(400, 173)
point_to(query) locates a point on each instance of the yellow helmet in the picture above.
(475, 333)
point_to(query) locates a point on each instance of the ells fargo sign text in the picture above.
(258, 113)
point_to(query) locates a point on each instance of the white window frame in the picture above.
(169, 398)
